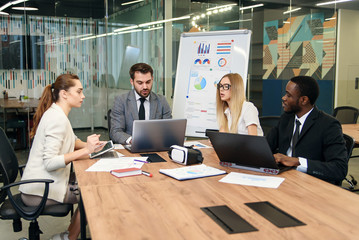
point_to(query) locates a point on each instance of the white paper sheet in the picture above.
(196, 144)
(252, 180)
(108, 164)
(118, 146)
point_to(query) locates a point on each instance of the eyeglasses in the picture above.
(225, 86)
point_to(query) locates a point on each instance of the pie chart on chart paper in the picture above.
(200, 83)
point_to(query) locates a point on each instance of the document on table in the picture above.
(195, 144)
(106, 165)
(118, 146)
(192, 172)
(252, 180)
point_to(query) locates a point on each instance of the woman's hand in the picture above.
(93, 142)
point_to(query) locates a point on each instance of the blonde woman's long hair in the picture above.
(238, 97)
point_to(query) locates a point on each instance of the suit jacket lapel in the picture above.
(153, 105)
(308, 122)
(289, 132)
(131, 98)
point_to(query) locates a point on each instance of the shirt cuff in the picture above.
(303, 165)
(128, 141)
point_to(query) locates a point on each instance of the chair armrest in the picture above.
(30, 213)
(26, 182)
(21, 169)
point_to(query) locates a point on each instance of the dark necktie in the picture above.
(295, 137)
(141, 112)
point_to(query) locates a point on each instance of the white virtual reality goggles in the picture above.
(185, 155)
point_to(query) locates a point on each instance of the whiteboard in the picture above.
(203, 59)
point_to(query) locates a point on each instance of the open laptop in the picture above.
(245, 152)
(157, 135)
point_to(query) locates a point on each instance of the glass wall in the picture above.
(99, 40)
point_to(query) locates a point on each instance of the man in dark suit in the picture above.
(319, 148)
(139, 103)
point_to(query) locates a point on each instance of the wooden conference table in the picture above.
(160, 207)
(353, 131)
(14, 103)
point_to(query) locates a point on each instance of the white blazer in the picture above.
(54, 137)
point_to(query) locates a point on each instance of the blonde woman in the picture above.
(234, 113)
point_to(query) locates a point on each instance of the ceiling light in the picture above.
(331, 2)
(18, 1)
(87, 38)
(292, 10)
(237, 21)
(215, 11)
(12, 3)
(209, 13)
(223, 6)
(25, 8)
(151, 29)
(132, 2)
(125, 28)
(131, 31)
(253, 6)
(3, 13)
(164, 21)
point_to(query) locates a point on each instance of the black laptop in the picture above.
(245, 152)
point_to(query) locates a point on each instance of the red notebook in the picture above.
(126, 172)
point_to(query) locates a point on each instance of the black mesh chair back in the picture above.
(346, 114)
(268, 122)
(9, 166)
(109, 121)
(11, 205)
(349, 143)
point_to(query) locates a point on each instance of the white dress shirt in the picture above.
(303, 163)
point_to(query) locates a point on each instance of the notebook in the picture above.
(245, 152)
(157, 135)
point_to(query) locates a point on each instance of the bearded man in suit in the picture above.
(138, 104)
(319, 147)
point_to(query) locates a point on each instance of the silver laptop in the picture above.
(157, 135)
(245, 152)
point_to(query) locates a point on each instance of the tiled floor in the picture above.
(52, 225)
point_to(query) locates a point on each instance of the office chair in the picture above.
(349, 144)
(268, 122)
(346, 114)
(109, 121)
(12, 207)
(16, 129)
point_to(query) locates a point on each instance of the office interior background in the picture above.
(100, 39)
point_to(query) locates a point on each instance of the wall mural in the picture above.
(303, 45)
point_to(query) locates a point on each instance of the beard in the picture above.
(293, 108)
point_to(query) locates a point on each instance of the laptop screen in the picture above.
(157, 135)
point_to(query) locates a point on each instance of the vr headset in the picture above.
(185, 155)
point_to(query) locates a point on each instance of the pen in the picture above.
(137, 160)
(147, 174)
